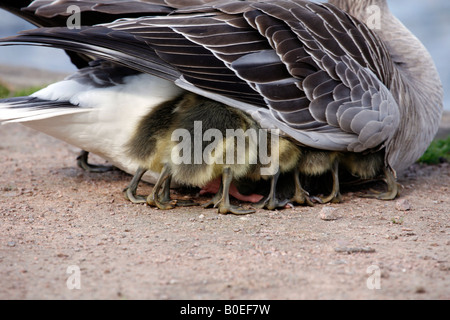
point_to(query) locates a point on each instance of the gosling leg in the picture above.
(271, 202)
(224, 203)
(154, 199)
(82, 161)
(335, 196)
(130, 191)
(214, 202)
(393, 190)
(300, 196)
(166, 195)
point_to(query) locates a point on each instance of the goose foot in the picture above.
(82, 162)
(392, 193)
(154, 201)
(227, 208)
(301, 196)
(271, 204)
(186, 203)
(393, 188)
(222, 198)
(335, 196)
(219, 201)
(131, 190)
(162, 186)
(132, 197)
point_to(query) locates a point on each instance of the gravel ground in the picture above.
(54, 216)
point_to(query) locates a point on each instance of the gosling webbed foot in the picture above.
(393, 188)
(132, 197)
(230, 209)
(186, 203)
(301, 196)
(222, 199)
(271, 204)
(335, 196)
(130, 191)
(82, 162)
(391, 194)
(162, 186)
(215, 201)
(332, 198)
(154, 200)
(225, 208)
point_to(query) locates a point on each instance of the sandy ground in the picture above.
(61, 227)
(54, 216)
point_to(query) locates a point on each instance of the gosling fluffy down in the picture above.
(199, 139)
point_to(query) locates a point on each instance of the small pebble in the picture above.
(403, 205)
(328, 214)
(421, 290)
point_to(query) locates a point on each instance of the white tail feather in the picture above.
(25, 109)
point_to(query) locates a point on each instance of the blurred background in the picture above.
(429, 20)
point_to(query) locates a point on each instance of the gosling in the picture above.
(155, 147)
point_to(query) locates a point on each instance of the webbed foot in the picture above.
(335, 196)
(186, 203)
(227, 208)
(301, 196)
(82, 162)
(131, 190)
(132, 197)
(222, 199)
(163, 184)
(271, 204)
(393, 188)
(154, 201)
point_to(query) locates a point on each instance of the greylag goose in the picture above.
(317, 72)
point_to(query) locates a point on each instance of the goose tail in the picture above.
(26, 109)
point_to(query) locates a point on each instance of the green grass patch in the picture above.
(4, 92)
(438, 152)
(25, 92)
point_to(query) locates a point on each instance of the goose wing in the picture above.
(308, 69)
(50, 13)
(47, 13)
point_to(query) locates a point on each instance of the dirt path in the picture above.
(53, 216)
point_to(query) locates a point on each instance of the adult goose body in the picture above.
(317, 72)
